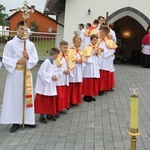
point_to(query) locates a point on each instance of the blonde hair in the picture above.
(76, 37)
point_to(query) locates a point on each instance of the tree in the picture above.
(34, 26)
(3, 16)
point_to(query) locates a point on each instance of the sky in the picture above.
(13, 4)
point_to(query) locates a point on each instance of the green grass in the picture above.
(1, 49)
(42, 45)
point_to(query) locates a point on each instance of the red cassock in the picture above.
(90, 86)
(106, 80)
(75, 93)
(45, 104)
(62, 100)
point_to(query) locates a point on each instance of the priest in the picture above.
(146, 50)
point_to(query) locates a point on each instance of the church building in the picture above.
(130, 19)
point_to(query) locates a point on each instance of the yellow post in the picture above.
(134, 112)
(134, 101)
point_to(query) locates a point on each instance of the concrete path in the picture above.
(100, 125)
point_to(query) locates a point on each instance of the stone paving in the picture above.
(100, 125)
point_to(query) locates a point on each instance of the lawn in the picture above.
(43, 45)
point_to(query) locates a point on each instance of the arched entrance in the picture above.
(130, 26)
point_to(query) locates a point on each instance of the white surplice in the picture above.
(107, 57)
(85, 36)
(44, 83)
(85, 41)
(13, 94)
(77, 72)
(62, 78)
(146, 49)
(113, 35)
(91, 68)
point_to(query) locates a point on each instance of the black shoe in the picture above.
(92, 98)
(14, 128)
(57, 115)
(64, 112)
(51, 117)
(72, 105)
(43, 120)
(87, 99)
(30, 126)
(101, 93)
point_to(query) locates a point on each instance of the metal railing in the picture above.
(42, 40)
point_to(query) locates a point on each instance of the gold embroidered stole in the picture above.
(28, 85)
(72, 53)
(109, 43)
(70, 63)
(92, 30)
(87, 51)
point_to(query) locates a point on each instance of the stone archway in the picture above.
(131, 12)
(135, 23)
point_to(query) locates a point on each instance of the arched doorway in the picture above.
(130, 26)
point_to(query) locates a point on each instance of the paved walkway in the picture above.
(100, 125)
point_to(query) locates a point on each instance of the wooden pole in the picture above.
(24, 78)
(106, 20)
(24, 91)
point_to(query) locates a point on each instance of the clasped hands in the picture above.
(54, 78)
(98, 50)
(79, 61)
(24, 59)
(101, 49)
(66, 72)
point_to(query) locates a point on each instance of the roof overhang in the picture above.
(54, 7)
